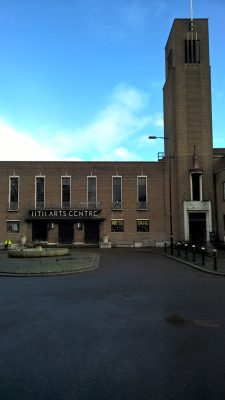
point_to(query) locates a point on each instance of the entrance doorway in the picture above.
(197, 227)
(91, 232)
(39, 231)
(65, 232)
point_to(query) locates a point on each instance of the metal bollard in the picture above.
(171, 245)
(186, 250)
(178, 249)
(203, 255)
(165, 247)
(193, 253)
(214, 259)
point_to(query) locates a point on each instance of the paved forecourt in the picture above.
(141, 327)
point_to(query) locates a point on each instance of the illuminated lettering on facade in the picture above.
(64, 214)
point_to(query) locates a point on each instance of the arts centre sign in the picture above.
(60, 214)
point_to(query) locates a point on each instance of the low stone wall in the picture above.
(29, 253)
(123, 243)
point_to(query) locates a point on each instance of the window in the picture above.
(91, 191)
(116, 192)
(142, 225)
(117, 225)
(142, 192)
(196, 186)
(192, 51)
(13, 193)
(40, 191)
(13, 226)
(170, 60)
(65, 190)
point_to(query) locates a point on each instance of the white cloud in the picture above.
(116, 133)
(20, 146)
(115, 127)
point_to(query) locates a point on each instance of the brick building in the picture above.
(132, 203)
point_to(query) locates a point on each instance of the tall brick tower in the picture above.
(188, 127)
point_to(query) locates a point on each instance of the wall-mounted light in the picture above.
(50, 226)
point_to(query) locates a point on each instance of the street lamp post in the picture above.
(170, 192)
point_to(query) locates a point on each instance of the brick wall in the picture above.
(27, 171)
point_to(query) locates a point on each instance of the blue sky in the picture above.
(83, 79)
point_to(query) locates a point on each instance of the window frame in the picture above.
(122, 225)
(18, 194)
(117, 205)
(36, 202)
(200, 185)
(92, 204)
(146, 193)
(63, 201)
(13, 221)
(148, 225)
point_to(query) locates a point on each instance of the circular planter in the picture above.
(37, 252)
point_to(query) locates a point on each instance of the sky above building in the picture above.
(83, 80)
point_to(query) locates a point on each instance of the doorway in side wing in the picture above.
(197, 227)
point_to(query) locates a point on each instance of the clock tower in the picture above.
(188, 127)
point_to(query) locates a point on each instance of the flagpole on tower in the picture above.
(191, 10)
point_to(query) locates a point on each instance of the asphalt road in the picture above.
(103, 335)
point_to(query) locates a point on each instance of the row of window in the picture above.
(196, 191)
(66, 191)
(117, 225)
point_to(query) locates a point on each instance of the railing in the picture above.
(65, 206)
(161, 156)
(117, 205)
(142, 205)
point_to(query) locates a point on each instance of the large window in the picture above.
(196, 186)
(65, 189)
(40, 192)
(91, 191)
(142, 192)
(13, 193)
(13, 226)
(192, 51)
(116, 192)
(117, 225)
